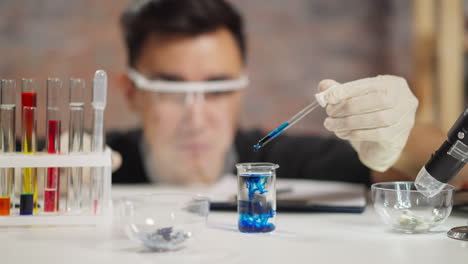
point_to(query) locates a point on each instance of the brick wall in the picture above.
(293, 44)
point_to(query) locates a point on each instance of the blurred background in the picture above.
(292, 46)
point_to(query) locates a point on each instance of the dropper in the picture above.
(319, 100)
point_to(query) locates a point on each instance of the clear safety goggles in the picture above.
(181, 92)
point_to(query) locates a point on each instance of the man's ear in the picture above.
(129, 91)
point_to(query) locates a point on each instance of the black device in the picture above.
(445, 164)
(452, 156)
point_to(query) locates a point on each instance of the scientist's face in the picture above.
(188, 139)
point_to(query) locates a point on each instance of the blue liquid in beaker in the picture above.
(255, 213)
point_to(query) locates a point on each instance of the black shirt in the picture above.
(302, 157)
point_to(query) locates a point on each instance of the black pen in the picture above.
(284, 190)
(278, 192)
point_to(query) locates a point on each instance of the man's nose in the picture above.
(196, 115)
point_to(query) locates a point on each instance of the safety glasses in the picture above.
(183, 93)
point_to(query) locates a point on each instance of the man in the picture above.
(186, 63)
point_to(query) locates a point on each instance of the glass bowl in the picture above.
(401, 206)
(163, 221)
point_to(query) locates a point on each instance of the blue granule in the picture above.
(165, 233)
(165, 239)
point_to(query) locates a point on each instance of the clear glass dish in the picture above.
(402, 207)
(163, 221)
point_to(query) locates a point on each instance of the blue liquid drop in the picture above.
(257, 147)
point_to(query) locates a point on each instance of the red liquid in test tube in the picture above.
(53, 174)
(28, 99)
(52, 181)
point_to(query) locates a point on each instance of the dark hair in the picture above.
(191, 17)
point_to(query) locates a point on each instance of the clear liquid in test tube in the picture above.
(99, 105)
(77, 190)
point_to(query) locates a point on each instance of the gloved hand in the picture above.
(375, 114)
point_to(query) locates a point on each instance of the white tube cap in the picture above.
(322, 97)
(100, 89)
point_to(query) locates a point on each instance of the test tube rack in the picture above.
(41, 160)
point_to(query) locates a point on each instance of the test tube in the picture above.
(99, 104)
(28, 198)
(53, 124)
(75, 144)
(7, 141)
(256, 197)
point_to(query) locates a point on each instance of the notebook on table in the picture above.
(297, 195)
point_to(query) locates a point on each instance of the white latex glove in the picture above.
(375, 114)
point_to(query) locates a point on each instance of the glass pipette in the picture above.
(320, 100)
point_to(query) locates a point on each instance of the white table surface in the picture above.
(299, 238)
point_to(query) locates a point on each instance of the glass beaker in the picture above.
(256, 197)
